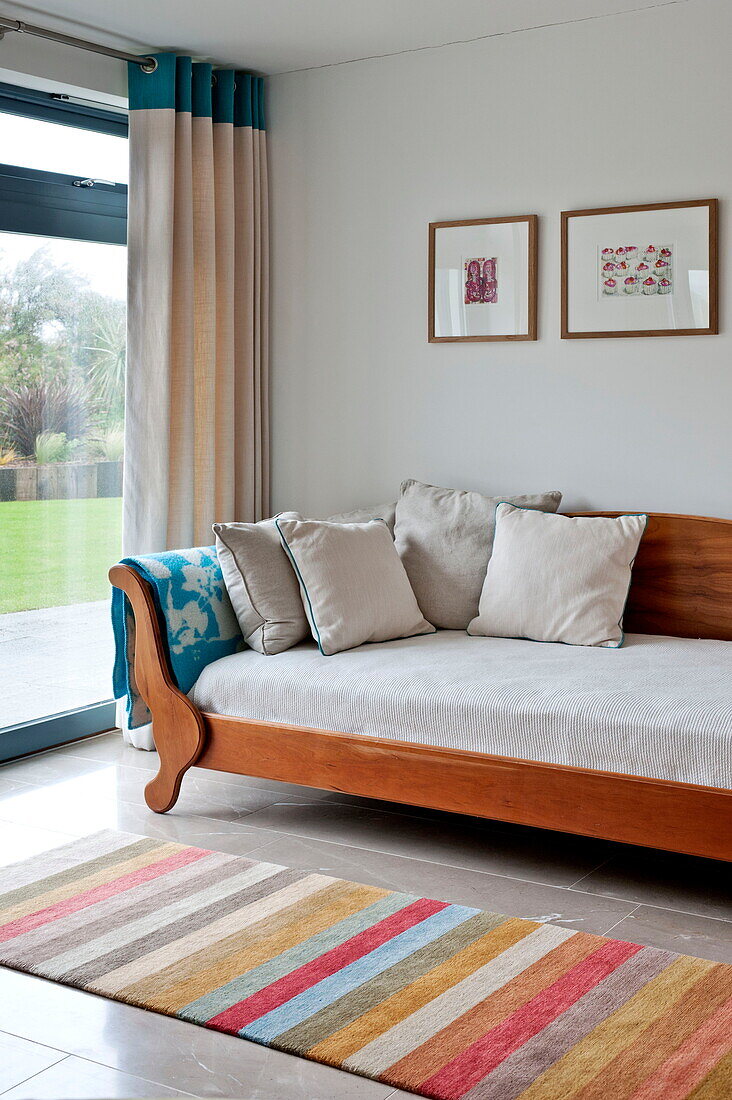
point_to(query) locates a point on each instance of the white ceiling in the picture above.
(272, 36)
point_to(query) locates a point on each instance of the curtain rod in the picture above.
(147, 64)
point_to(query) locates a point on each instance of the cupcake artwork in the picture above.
(636, 269)
(481, 280)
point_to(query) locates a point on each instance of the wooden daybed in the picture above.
(682, 587)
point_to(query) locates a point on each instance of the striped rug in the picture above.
(439, 999)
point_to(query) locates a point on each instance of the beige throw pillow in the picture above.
(262, 586)
(558, 578)
(444, 538)
(353, 584)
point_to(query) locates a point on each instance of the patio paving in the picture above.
(53, 660)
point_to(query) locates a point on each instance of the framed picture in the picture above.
(640, 270)
(482, 279)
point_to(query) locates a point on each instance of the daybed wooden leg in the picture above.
(178, 733)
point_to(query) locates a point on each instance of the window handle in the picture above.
(91, 182)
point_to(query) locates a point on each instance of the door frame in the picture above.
(26, 738)
(51, 204)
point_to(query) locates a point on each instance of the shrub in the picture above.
(48, 405)
(110, 445)
(8, 457)
(79, 450)
(50, 447)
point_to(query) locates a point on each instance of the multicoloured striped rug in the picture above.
(440, 999)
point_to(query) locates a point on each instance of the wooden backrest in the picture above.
(682, 577)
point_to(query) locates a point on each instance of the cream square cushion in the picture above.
(262, 586)
(444, 538)
(353, 583)
(558, 578)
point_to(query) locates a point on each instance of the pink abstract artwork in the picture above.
(481, 280)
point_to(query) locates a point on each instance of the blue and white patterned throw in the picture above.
(198, 621)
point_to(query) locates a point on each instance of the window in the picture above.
(63, 221)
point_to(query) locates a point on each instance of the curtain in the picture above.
(196, 418)
(196, 415)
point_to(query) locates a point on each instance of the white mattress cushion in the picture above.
(659, 707)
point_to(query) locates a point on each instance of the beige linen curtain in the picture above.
(196, 434)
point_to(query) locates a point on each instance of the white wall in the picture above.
(629, 109)
(48, 66)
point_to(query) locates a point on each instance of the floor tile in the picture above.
(282, 790)
(96, 781)
(76, 1079)
(92, 802)
(218, 799)
(538, 839)
(172, 1052)
(434, 880)
(219, 835)
(404, 809)
(682, 932)
(23, 841)
(687, 883)
(109, 748)
(48, 768)
(10, 786)
(478, 845)
(21, 1059)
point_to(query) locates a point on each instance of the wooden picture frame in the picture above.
(710, 329)
(531, 263)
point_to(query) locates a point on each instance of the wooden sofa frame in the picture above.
(682, 586)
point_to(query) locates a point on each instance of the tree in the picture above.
(55, 329)
(107, 370)
(36, 299)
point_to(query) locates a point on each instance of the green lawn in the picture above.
(57, 552)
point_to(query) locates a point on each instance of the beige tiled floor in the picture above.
(61, 1043)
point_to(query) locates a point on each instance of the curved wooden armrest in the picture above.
(177, 724)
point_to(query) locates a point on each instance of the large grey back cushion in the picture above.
(444, 538)
(363, 515)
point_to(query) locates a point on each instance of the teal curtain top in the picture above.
(193, 87)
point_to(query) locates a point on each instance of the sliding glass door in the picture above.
(62, 359)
